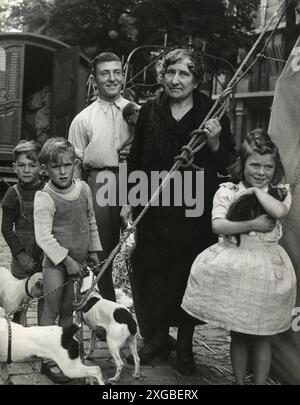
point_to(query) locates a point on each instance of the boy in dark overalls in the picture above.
(17, 221)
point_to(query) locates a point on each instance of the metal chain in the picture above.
(9, 339)
(36, 299)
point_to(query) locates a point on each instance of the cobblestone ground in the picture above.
(211, 348)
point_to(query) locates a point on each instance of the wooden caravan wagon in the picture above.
(42, 87)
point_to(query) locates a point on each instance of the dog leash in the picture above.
(9, 343)
(7, 316)
(79, 320)
(36, 299)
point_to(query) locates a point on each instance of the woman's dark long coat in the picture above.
(168, 241)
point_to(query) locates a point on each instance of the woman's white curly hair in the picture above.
(195, 63)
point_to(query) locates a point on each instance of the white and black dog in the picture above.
(120, 327)
(14, 292)
(48, 342)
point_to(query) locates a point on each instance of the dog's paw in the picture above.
(108, 383)
(9, 382)
(91, 381)
(136, 376)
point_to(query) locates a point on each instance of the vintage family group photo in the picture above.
(149, 192)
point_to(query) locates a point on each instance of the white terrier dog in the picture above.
(119, 324)
(14, 292)
(48, 342)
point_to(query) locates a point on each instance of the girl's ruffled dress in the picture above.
(249, 289)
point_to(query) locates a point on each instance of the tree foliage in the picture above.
(122, 25)
(223, 25)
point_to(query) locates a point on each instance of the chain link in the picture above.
(84, 272)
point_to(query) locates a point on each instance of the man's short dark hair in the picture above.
(104, 57)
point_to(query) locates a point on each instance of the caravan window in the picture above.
(2, 74)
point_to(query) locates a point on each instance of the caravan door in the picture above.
(65, 89)
(11, 93)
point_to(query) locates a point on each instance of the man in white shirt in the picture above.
(98, 133)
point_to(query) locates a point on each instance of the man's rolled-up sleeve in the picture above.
(78, 136)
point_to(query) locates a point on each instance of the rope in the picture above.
(194, 142)
(186, 158)
(283, 6)
(103, 266)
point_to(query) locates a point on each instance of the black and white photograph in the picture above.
(149, 195)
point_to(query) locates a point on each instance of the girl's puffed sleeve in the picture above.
(223, 198)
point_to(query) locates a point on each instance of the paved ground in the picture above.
(211, 348)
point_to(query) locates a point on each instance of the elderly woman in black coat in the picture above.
(169, 239)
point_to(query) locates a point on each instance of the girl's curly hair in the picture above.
(257, 141)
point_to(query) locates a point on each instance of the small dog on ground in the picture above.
(48, 342)
(14, 292)
(120, 328)
(248, 207)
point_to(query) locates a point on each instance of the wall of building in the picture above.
(254, 93)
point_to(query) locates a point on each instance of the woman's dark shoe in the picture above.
(172, 342)
(146, 354)
(164, 352)
(185, 364)
(52, 371)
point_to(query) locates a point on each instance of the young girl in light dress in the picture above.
(248, 289)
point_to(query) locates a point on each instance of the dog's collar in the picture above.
(26, 288)
(85, 291)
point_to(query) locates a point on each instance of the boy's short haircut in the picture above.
(31, 149)
(54, 147)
